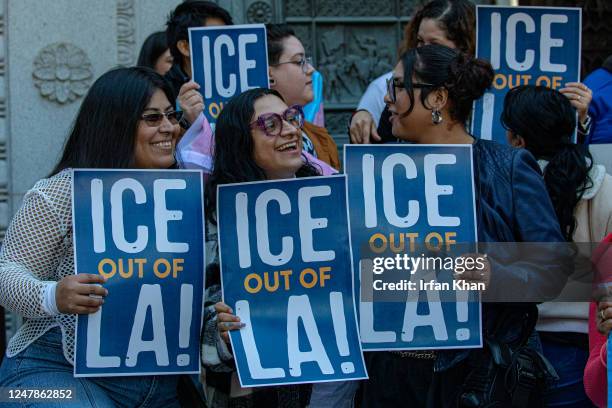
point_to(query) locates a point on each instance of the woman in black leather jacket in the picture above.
(430, 98)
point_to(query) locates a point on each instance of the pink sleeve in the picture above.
(596, 372)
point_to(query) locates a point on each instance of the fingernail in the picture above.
(229, 310)
(241, 325)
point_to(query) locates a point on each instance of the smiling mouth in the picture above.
(291, 147)
(165, 144)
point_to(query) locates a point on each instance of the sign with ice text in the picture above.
(409, 205)
(286, 272)
(143, 231)
(526, 46)
(226, 61)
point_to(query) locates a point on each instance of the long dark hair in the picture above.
(104, 130)
(154, 47)
(457, 17)
(466, 78)
(233, 157)
(545, 119)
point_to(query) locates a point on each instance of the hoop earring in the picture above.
(272, 81)
(436, 117)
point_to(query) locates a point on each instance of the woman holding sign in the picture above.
(258, 137)
(430, 97)
(126, 121)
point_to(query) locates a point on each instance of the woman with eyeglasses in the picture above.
(290, 72)
(430, 97)
(257, 137)
(126, 121)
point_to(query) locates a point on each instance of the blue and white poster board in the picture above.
(286, 272)
(526, 46)
(142, 230)
(423, 193)
(226, 61)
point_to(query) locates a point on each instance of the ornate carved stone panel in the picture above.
(126, 31)
(350, 56)
(352, 42)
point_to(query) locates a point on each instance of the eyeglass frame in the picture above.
(302, 63)
(178, 115)
(398, 83)
(282, 117)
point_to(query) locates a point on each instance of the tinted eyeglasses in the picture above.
(272, 123)
(394, 83)
(156, 119)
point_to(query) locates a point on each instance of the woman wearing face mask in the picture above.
(126, 121)
(290, 74)
(251, 138)
(543, 121)
(430, 97)
(446, 22)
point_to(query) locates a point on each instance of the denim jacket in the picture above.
(512, 205)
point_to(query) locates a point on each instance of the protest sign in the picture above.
(143, 231)
(414, 202)
(526, 46)
(286, 272)
(226, 61)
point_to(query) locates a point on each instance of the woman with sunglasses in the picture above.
(290, 75)
(430, 97)
(126, 121)
(257, 137)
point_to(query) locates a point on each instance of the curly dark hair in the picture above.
(466, 78)
(233, 157)
(456, 17)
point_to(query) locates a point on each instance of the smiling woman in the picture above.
(257, 137)
(126, 121)
(290, 74)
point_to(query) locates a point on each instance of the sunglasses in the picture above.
(272, 123)
(394, 83)
(156, 119)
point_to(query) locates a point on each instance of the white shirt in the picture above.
(373, 98)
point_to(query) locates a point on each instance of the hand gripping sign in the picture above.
(143, 231)
(526, 46)
(286, 272)
(226, 61)
(412, 217)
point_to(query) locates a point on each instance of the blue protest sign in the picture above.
(410, 207)
(526, 46)
(143, 231)
(226, 61)
(286, 272)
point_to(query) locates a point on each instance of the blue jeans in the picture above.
(569, 362)
(43, 365)
(337, 394)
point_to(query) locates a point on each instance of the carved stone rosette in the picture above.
(62, 72)
(259, 12)
(126, 33)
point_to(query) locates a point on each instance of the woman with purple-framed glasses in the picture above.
(257, 137)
